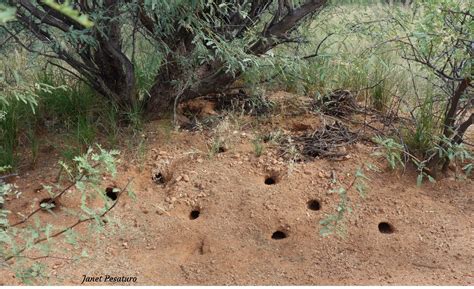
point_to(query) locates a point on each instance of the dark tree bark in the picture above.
(114, 67)
(104, 67)
(450, 130)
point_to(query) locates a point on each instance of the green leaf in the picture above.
(66, 9)
(47, 230)
(71, 237)
(6, 14)
(325, 231)
(132, 195)
(419, 180)
(431, 179)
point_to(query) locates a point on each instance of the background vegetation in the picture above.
(87, 72)
(402, 58)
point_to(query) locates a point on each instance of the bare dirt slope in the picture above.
(213, 222)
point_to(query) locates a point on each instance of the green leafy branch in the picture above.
(335, 223)
(393, 152)
(67, 9)
(86, 176)
(69, 228)
(7, 13)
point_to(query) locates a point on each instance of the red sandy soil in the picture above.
(230, 243)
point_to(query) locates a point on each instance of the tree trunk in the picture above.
(175, 83)
(115, 70)
(451, 132)
(167, 92)
(104, 67)
(115, 78)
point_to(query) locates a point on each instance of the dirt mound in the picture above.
(237, 218)
(329, 141)
(337, 103)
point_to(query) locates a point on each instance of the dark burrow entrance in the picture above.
(278, 235)
(270, 180)
(111, 193)
(48, 204)
(386, 228)
(194, 214)
(158, 178)
(314, 205)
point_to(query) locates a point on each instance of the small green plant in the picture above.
(29, 274)
(258, 146)
(224, 134)
(445, 149)
(422, 173)
(421, 139)
(216, 146)
(259, 105)
(137, 141)
(335, 223)
(69, 153)
(85, 132)
(31, 236)
(454, 152)
(34, 144)
(5, 189)
(289, 151)
(140, 152)
(383, 81)
(18, 121)
(110, 124)
(392, 151)
(135, 118)
(468, 169)
(274, 137)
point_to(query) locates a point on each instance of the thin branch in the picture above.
(52, 199)
(69, 71)
(80, 221)
(43, 257)
(315, 54)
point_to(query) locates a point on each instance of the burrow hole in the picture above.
(272, 179)
(48, 204)
(111, 193)
(194, 214)
(221, 149)
(158, 178)
(279, 235)
(314, 205)
(386, 228)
